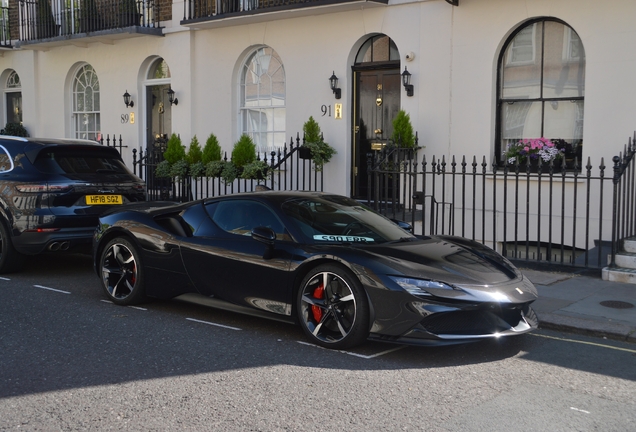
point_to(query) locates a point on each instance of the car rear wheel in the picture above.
(122, 275)
(10, 259)
(332, 307)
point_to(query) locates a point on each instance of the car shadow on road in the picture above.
(55, 342)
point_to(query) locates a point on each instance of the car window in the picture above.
(6, 164)
(242, 216)
(78, 161)
(333, 219)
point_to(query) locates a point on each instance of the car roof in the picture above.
(278, 196)
(33, 146)
(49, 141)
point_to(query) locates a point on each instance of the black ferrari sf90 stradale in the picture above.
(326, 262)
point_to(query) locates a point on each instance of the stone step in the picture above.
(618, 274)
(626, 260)
(629, 245)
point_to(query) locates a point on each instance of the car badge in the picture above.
(519, 291)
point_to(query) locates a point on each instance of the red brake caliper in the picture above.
(133, 278)
(319, 293)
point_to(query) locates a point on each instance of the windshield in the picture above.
(336, 219)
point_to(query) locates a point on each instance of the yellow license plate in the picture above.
(103, 199)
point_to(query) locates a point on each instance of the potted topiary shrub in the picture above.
(194, 157)
(403, 135)
(244, 151)
(320, 152)
(14, 129)
(212, 150)
(175, 152)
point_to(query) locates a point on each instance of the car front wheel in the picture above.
(122, 275)
(332, 307)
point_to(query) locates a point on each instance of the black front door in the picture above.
(377, 103)
(158, 131)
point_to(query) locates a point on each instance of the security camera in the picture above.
(410, 56)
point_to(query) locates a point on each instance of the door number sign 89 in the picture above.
(128, 118)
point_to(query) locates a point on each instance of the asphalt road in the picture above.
(70, 360)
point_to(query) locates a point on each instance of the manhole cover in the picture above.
(617, 304)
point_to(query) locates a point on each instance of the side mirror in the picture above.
(405, 226)
(264, 235)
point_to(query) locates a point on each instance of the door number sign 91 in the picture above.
(337, 111)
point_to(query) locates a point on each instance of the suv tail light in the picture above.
(43, 187)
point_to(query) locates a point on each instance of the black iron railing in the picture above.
(201, 10)
(287, 171)
(624, 199)
(43, 19)
(547, 213)
(114, 142)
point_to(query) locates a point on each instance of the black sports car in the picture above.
(52, 192)
(340, 270)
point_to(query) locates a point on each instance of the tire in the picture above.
(122, 273)
(10, 259)
(332, 307)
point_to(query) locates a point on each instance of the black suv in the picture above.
(52, 192)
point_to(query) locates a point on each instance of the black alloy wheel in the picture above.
(122, 275)
(332, 307)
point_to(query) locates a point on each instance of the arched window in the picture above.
(86, 121)
(262, 88)
(377, 49)
(541, 88)
(13, 98)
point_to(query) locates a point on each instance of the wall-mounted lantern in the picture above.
(406, 80)
(173, 100)
(333, 82)
(128, 101)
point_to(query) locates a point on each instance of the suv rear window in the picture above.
(79, 161)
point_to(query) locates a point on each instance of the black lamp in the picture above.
(406, 80)
(333, 81)
(129, 103)
(173, 100)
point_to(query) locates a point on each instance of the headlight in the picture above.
(419, 286)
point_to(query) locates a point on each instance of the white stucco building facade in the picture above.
(454, 56)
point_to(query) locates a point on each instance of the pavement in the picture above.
(584, 304)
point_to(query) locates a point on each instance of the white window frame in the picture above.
(272, 112)
(85, 134)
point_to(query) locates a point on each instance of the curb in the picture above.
(587, 327)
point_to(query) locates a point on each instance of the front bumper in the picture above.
(462, 326)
